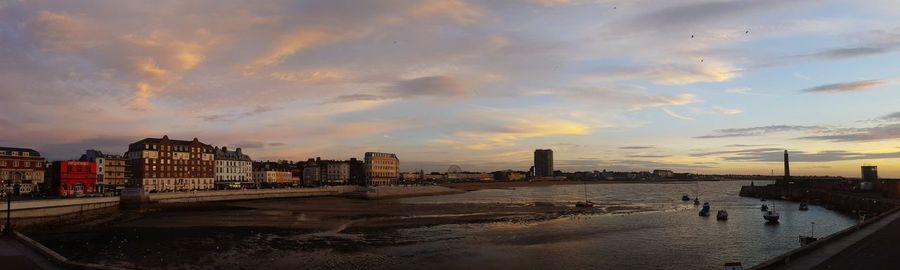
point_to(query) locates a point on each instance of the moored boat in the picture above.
(764, 207)
(803, 206)
(685, 197)
(704, 212)
(722, 215)
(771, 216)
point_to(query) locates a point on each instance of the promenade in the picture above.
(15, 255)
(870, 247)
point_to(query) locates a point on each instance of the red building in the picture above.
(72, 178)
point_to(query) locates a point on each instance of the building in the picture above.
(543, 163)
(233, 169)
(357, 172)
(163, 164)
(337, 173)
(509, 175)
(111, 170)
(469, 176)
(73, 178)
(870, 173)
(382, 169)
(312, 174)
(22, 167)
(663, 173)
(272, 178)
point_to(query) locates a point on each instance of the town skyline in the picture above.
(692, 86)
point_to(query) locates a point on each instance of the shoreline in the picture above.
(474, 186)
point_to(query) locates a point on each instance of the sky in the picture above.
(692, 86)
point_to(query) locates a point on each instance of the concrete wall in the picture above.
(27, 213)
(248, 194)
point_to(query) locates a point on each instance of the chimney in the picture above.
(238, 150)
(224, 148)
(787, 166)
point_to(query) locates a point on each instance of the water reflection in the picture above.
(668, 234)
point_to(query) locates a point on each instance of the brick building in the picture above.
(23, 167)
(163, 164)
(111, 170)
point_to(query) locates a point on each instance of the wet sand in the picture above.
(472, 186)
(225, 235)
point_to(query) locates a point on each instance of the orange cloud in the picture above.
(457, 10)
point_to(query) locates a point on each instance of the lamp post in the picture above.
(7, 230)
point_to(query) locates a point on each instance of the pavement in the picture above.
(16, 256)
(871, 247)
(876, 251)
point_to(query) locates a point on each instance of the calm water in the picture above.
(669, 235)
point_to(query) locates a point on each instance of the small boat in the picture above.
(704, 212)
(806, 240)
(734, 266)
(762, 199)
(696, 201)
(722, 215)
(803, 206)
(685, 197)
(764, 207)
(584, 204)
(771, 216)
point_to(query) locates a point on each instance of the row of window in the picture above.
(15, 153)
(176, 162)
(25, 164)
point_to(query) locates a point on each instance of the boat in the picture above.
(771, 216)
(806, 240)
(697, 193)
(764, 207)
(762, 199)
(704, 212)
(586, 203)
(722, 215)
(803, 206)
(733, 266)
(685, 197)
(696, 201)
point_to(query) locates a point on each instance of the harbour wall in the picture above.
(33, 212)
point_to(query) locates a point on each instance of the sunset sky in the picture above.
(616, 85)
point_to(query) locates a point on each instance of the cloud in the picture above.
(234, 116)
(673, 114)
(257, 144)
(877, 133)
(726, 111)
(637, 147)
(758, 131)
(891, 117)
(457, 10)
(669, 74)
(647, 156)
(74, 149)
(700, 14)
(777, 155)
(746, 145)
(433, 86)
(845, 86)
(310, 76)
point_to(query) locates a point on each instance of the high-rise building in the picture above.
(870, 173)
(234, 169)
(22, 167)
(382, 169)
(171, 165)
(543, 163)
(111, 170)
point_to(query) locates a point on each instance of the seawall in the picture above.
(247, 194)
(29, 213)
